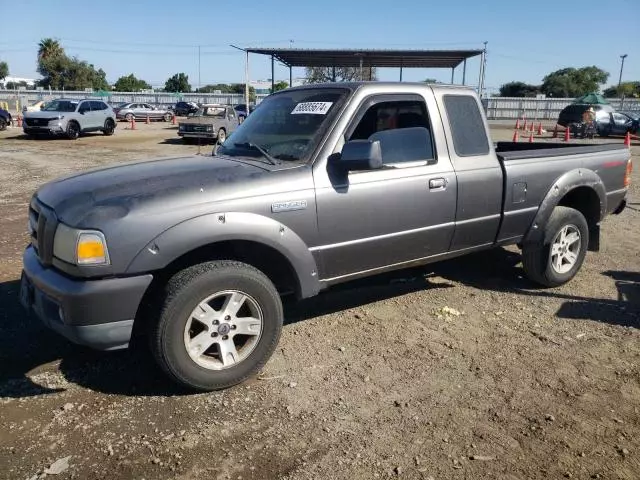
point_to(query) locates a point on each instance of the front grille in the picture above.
(37, 122)
(195, 128)
(42, 226)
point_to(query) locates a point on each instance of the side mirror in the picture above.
(359, 155)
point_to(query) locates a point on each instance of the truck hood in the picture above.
(90, 199)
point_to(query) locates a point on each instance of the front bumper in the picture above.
(95, 313)
(44, 130)
(212, 135)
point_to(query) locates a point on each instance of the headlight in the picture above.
(181, 127)
(80, 247)
(209, 128)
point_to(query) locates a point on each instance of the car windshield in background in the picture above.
(287, 126)
(61, 106)
(211, 112)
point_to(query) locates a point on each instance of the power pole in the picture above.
(484, 69)
(621, 67)
(199, 84)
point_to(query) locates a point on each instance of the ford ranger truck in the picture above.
(320, 185)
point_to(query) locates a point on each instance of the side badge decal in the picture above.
(279, 207)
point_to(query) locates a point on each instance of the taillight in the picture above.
(627, 173)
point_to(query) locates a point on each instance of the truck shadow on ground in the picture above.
(32, 356)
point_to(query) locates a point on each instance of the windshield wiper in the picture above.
(264, 152)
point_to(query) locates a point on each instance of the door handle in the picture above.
(437, 184)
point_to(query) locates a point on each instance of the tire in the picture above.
(557, 259)
(3, 124)
(241, 119)
(167, 117)
(73, 130)
(109, 127)
(129, 117)
(194, 305)
(222, 136)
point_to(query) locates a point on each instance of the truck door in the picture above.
(371, 220)
(479, 175)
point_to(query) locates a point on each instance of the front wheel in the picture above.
(559, 255)
(73, 131)
(222, 136)
(109, 127)
(167, 117)
(219, 324)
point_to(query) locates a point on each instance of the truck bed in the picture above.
(516, 151)
(530, 169)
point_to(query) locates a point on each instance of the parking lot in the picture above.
(461, 369)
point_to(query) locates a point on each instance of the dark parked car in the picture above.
(5, 119)
(241, 111)
(182, 109)
(617, 123)
(572, 114)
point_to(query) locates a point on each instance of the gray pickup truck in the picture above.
(320, 185)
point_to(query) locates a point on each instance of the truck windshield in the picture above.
(61, 106)
(287, 125)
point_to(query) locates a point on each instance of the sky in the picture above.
(155, 39)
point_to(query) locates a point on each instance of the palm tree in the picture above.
(49, 48)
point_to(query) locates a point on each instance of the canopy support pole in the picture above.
(273, 80)
(464, 72)
(290, 76)
(333, 74)
(453, 71)
(400, 69)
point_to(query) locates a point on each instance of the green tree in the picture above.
(519, 89)
(178, 83)
(573, 82)
(130, 83)
(430, 80)
(280, 86)
(16, 85)
(626, 89)
(60, 71)
(343, 74)
(4, 70)
(49, 48)
(222, 87)
(240, 88)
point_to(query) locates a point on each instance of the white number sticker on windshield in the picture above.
(314, 108)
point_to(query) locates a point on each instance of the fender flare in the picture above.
(228, 226)
(579, 177)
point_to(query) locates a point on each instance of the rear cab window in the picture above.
(467, 125)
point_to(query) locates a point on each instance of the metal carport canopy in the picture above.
(293, 57)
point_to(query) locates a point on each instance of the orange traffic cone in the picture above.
(19, 121)
(540, 128)
(567, 134)
(524, 125)
(133, 123)
(147, 121)
(627, 140)
(515, 136)
(530, 137)
(517, 124)
(532, 127)
(173, 120)
(555, 131)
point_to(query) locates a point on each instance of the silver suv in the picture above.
(71, 118)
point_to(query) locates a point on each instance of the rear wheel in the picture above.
(559, 255)
(109, 127)
(3, 123)
(129, 117)
(73, 131)
(219, 325)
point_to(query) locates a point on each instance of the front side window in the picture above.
(61, 106)
(397, 115)
(287, 126)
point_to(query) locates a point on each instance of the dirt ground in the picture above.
(460, 370)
